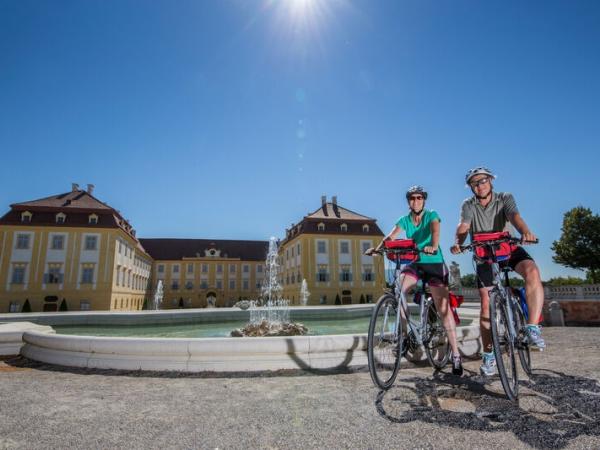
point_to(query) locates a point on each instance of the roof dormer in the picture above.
(60, 217)
(26, 216)
(344, 227)
(321, 226)
(93, 219)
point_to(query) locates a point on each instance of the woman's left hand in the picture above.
(430, 250)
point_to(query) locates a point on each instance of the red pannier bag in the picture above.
(407, 244)
(503, 251)
(454, 302)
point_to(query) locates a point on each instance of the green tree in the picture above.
(26, 306)
(145, 305)
(362, 298)
(563, 281)
(579, 243)
(468, 280)
(337, 299)
(63, 305)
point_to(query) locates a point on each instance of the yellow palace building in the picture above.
(326, 248)
(70, 251)
(74, 252)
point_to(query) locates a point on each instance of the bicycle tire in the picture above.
(384, 348)
(437, 344)
(522, 346)
(504, 346)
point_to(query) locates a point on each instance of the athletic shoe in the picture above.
(533, 338)
(457, 368)
(488, 366)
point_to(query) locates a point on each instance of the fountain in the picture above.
(272, 318)
(304, 294)
(158, 296)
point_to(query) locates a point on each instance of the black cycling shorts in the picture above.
(434, 274)
(485, 276)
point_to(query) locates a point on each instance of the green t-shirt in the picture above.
(421, 234)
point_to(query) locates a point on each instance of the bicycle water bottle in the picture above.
(523, 300)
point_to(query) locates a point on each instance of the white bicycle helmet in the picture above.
(416, 189)
(478, 171)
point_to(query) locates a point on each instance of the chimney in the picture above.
(90, 188)
(323, 200)
(334, 200)
(74, 187)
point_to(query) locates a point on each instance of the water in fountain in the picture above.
(158, 296)
(271, 288)
(273, 317)
(304, 294)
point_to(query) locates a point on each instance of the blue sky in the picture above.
(229, 119)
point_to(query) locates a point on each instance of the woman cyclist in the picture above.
(423, 226)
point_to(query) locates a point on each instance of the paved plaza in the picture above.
(49, 407)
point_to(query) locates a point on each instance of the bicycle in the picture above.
(507, 311)
(389, 339)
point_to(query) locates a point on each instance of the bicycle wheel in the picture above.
(436, 342)
(383, 345)
(521, 343)
(504, 345)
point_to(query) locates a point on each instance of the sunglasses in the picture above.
(415, 197)
(481, 182)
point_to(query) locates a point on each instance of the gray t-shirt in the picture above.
(495, 217)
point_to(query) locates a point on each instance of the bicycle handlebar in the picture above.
(401, 251)
(510, 240)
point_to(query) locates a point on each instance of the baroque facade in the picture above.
(74, 252)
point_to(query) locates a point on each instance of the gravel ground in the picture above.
(43, 406)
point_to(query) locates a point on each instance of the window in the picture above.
(18, 275)
(365, 246)
(344, 247)
(246, 268)
(190, 268)
(323, 300)
(26, 217)
(293, 279)
(322, 275)
(84, 305)
(189, 285)
(176, 268)
(87, 275)
(91, 242)
(298, 249)
(60, 218)
(203, 284)
(321, 247)
(368, 275)
(92, 219)
(160, 268)
(345, 275)
(204, 268)
(175, 285)
(54, 276)
(259, 268)
(219, 268)
(321, 227)
(231, 284)
(245, 285)
(365, 228)
(219, 284)
(369, 298)
(231, 268)
(23, 241)
(344, 227)
(14, 307)
(58, 242)
(258, 285)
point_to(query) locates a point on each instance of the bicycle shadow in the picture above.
(553, 408)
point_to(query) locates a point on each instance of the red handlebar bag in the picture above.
(405, 244)
(503, 250)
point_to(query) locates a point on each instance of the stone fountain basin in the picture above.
(207, 354)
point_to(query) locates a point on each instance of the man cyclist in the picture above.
(423, 226)
(488, 212)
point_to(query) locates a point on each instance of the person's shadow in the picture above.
(553, 408)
